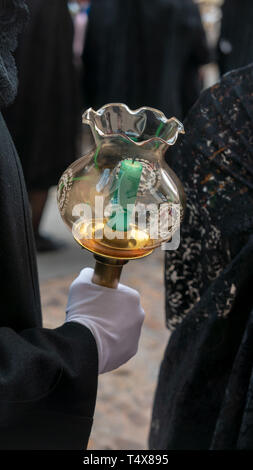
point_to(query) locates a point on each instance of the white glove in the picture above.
(114, 316)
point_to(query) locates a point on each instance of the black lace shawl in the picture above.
(13, 16)
(204, 397)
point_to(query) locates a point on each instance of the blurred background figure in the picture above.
(143, 52)
(80, 12)
(235, 47)
(211, 16)
(44, 118)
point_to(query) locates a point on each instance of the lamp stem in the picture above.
(107, 271)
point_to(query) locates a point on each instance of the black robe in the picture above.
(235, 46)
(48, 378)
(44, 119)
(144, 52)
(204, 396)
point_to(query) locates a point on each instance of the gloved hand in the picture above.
(114, 316)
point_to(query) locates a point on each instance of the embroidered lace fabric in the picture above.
(204, 396)
(215, 164)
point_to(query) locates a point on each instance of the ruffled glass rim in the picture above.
(141, 126)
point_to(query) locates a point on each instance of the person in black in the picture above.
(144, 53)
(43, 120)
(235, 46)
(48, 378)
(204, 395)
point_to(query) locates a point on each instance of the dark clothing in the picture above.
(48, 378)
(43, 121)
(48, 388)
(235, 46)
(13, 17)
(144, 52)
(18, 281)
(204, 396)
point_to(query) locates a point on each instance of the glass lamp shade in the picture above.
(118, 198)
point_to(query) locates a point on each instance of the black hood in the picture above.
(13, 17)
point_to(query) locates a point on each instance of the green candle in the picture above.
(127, 185)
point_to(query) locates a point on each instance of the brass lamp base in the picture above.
(107, 271)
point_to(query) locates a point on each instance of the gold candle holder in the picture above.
(118, 198)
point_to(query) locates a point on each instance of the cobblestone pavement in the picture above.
(125, 396)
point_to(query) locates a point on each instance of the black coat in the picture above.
(144, 52)
(48, 378)
(43, 120)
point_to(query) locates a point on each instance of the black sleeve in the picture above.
(48, 384)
